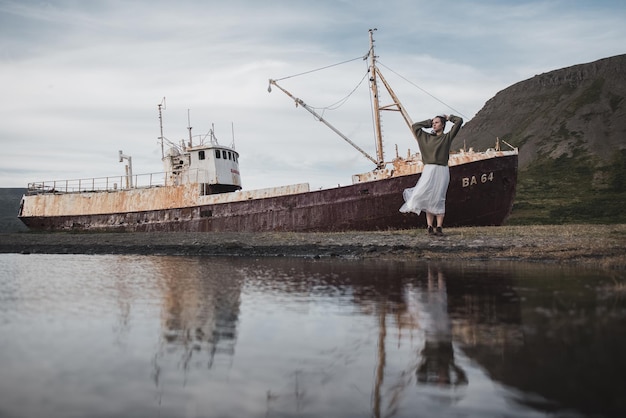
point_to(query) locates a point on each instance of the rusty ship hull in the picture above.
(480, 193)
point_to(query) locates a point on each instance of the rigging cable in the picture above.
(341, 102)
(440, 101)
(319, 69)
(335, 105)
(415, 85)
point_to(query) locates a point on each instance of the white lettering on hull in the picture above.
(482, 178)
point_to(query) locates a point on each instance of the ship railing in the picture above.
(112, 183)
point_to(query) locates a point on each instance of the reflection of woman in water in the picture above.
(437, 364)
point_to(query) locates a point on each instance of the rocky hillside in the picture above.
(557, 113)
(570, 127)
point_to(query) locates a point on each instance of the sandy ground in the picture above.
(600, 245)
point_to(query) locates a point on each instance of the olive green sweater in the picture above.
(435, 149)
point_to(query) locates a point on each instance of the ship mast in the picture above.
(374, 86)
(375, 74)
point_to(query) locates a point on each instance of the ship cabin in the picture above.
(215, 168)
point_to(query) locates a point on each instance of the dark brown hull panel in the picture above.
(481, 193)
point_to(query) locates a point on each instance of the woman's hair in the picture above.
(442, 119)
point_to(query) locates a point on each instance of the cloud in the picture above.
(82, 80)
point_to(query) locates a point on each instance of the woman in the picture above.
(429, 194)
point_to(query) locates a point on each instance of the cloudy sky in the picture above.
(81, 79)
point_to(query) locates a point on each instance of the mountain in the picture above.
(570, 128)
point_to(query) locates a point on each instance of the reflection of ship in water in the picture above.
(200, 310)
(445, 314)
(432, 309)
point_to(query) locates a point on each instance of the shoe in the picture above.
(430, 231)
(439, 231)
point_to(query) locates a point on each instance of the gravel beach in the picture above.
(600, 245)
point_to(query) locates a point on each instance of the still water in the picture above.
(148, 336)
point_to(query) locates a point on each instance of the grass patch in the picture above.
(562, 191)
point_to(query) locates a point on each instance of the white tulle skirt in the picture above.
(429, 194)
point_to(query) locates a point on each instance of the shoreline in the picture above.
(603, 246)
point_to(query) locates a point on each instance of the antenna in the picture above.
(161, 106)
(189, 128)
(232, 130)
